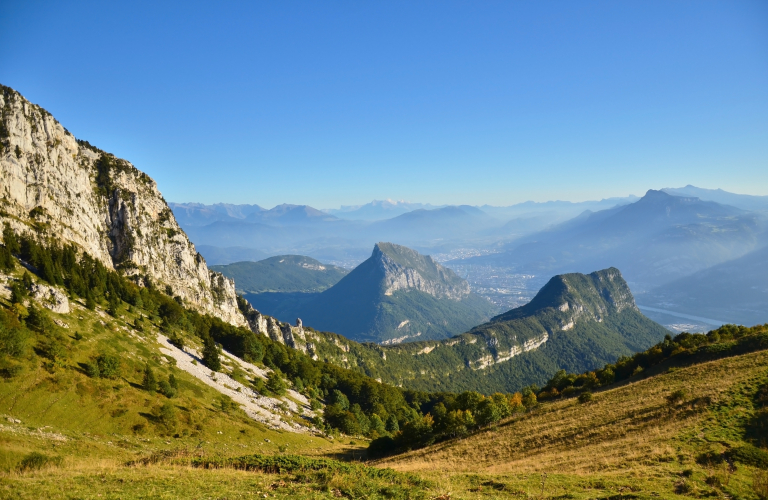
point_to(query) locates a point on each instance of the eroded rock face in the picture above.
(51, 298)
(406, 269)
(102, 204)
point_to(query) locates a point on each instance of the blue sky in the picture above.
(331, 103)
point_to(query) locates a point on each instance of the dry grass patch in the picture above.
(629, 426)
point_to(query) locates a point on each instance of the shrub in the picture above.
(166, 390)
(92, 370)
(109, 366)
(13, 337)
(750, 455)
(276, 384)
(585, 397)
(166, 415)
(36, 461)
(676, 397)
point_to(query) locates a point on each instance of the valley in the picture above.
(517, 365)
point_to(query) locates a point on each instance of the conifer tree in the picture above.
(150, 381)
(211, 354)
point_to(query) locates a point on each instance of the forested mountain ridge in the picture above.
(395, 295)
(577, 322)
(79, 194)
(283, 273)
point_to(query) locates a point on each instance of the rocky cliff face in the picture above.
(76, 193)
(406, 269)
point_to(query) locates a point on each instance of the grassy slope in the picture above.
(628, 440)
(66, 413)
(285, 273)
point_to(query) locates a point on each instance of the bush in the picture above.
(109, 366)
(585, 397)
(676, 397)
(750, 455)
(166, 390)
(276, 384)
(13, 337)
(36, 461)
(166, 415)
(92, 370)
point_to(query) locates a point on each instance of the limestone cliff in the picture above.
(406, 269)
(73, 192)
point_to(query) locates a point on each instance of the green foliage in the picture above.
(36, 461)
(748, 454)
(211, 354)
(285, 273)
(14, 338)
(167, 416)
(149, 383)
(109, 366)
(585, 397)
(92, 369)
(226, 404)
(10, 241)
(164, 387)
(684, 348)
(18, 293)
(7, 262)
(275, 384)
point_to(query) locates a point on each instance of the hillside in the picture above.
(686, 428)
(284, 273)
(105, 206)
(396, 295)
(576, 322)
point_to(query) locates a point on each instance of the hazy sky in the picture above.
(330, 103)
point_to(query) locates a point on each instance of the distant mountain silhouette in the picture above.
(655, 240)
(735, 291)
(743, 201)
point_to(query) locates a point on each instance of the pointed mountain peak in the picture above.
(405, 268)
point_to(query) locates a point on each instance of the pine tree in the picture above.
(150, 381)
(211, 354)
(10, 241)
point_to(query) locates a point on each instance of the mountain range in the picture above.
(655, 240)
(394, 296)
(576, 322)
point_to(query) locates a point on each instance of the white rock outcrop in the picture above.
(51, 298)
(102, 204)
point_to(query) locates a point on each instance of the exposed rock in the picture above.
(406, 269)
(51, 298)
(102, 204)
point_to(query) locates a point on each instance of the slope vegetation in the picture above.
(685, 428)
